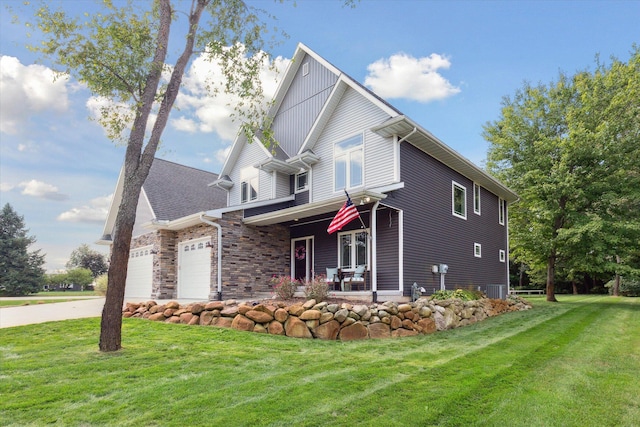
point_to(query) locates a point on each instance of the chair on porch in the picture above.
(333, 279)
(354, 281)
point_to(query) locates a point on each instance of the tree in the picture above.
(85, 257)
(570, 150)
(21, 271)
(80, 277)
(121, 54)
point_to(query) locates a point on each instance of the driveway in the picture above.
(40, 313)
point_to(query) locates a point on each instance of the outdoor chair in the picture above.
(333, 279)
(355, 280)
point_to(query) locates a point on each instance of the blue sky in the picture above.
(445, 64)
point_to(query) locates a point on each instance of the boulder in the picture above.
(281, 315)
(326, 317)
(275, 328)
(172, 304)
(214, 305)
(231, 311)
(206, 317)
(296, 309)
(341, 315)
(309, 304)
(259, 316)
(311, 315)
(356, 331)
(427, 325)
(197, 308)
(222, 322)
(296, 328)
(173, 319)
(241, 323)
(379, 330)
(195, 320)
(185, 318)
(327, 331)
(260, 329)
(403, 333)
(157, 316)
(396, 322)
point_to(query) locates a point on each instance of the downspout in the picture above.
(404, 138)
(216, 225)
(374, 251)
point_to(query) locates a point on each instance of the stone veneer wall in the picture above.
(330, 321)
(251, 256)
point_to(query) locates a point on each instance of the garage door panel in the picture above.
(194, 270)
(139, 274)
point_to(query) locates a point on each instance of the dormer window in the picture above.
(347, 163)
(302, 181)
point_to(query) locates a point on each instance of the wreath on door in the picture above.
(301, 252)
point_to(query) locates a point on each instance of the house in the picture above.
(424, 209)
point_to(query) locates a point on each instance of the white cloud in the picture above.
(403, 76)
(95, 212)
(28, 89)
(5, 186)
(206, 109)
(41, 190)
(221, 154)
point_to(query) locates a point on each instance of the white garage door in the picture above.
(139, 274)
(194, 269)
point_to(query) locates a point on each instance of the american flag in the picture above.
(347, 213)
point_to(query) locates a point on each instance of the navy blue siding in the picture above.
(432, 235)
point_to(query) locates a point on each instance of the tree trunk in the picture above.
(111, 325)
(616, 283)
(575, 287)
(551, 268)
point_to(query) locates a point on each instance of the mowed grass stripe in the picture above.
(552, 365)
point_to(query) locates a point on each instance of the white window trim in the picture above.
(297, 190)
(453, 200)
(501, 211)
(477, 209)
(502, 255)
(353, 249)
(348, 166)
(477, 250)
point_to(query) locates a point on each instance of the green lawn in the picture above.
(575, 363)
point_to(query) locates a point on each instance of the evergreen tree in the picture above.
(21, 271)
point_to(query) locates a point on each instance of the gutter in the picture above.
(216, 225)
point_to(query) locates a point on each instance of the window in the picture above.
(302, 181)
(459, 200)
(501, 211)
(476, 198)
(353, 249)
(347, 163)
(477, 250)
(305, 69)
(502, 255)
(248, 185)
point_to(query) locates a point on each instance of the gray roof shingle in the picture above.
(175, 191)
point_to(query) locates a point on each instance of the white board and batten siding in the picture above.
(194, 269)
(353, 114)
(139, 274)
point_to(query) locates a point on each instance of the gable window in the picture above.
(302, 181)
(249, 185)
(477, 250)
(459, 200)
(476, 198)
(353, 249)
(347, 163)
(502, 255)
(501, 211)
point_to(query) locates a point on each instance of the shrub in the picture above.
(628, 287)
(100, 286)
(462, 294)
(317, 289)
(284, 286)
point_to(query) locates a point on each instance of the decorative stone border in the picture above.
(330, 321)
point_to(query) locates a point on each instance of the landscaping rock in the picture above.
(259, 316)
(356, 331)
(214, 305)
(327, 331)
(241, 323)
(296, 328)
(379, 330)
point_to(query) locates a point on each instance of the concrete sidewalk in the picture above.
(40, 313)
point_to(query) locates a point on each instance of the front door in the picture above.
(302, 258)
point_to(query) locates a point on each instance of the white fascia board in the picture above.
(233, 155)
(110, 221)
(176, 224)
